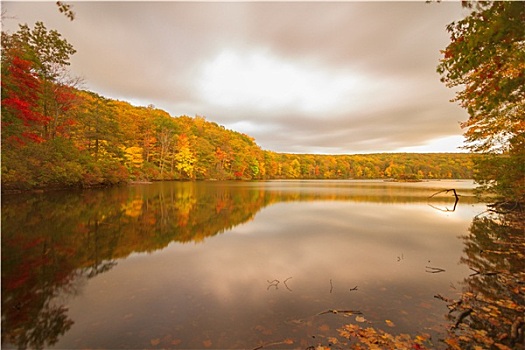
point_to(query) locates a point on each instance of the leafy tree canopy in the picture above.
(486, 60)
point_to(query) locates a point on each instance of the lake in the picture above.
(230, 264)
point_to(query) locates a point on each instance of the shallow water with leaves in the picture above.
(282, 264)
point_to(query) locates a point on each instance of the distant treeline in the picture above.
(56, 135)
(103, 142)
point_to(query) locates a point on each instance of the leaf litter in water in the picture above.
(390, 323)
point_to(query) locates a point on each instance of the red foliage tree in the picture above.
(21, 119)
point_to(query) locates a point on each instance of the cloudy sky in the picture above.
(300, 77)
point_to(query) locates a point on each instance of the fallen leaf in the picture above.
(360, 319)
(176, 342)
(207, 343)
(155, 341)
(390, 323)
(324, 328)
(333, 340)
(453, 343)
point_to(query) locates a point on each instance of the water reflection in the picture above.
(107, 268)
(493, 298)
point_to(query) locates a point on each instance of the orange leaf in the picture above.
(324, 328)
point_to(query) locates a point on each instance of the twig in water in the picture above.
(331, 286)
(461, 317)
(333, 311)
(274, 283)
(282, 342)
(452, 304)
(476, 272)
(355, 288)
(431, 269)
(286, 284)
(446, 191)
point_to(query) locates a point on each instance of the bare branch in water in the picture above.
(286, 284)
(274, 283)
(431, 269)
(334, 311)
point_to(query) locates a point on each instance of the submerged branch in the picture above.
(431, 269)
(286, 284)
(490, 273)
(333, 311)
(274, 343)
(274, 283)
(446, 191)
(461, 317)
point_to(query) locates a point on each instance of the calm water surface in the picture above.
(229, 264)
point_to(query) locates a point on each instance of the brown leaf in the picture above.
(207, 343)
(155, 341)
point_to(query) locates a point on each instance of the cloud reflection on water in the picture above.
(220, 289)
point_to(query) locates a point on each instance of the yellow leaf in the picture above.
(332, 340)
(360, 319)
(453, 343)
(390, 323)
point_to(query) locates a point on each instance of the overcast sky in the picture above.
(300, 77)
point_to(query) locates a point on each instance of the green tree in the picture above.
(486, 60)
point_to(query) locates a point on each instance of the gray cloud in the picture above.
(154, 52)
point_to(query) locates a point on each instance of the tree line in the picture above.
(57, 135)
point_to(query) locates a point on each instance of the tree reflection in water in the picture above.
(489, 312)
(51, 245)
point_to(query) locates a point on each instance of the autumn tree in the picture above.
(48, 54)
(486, 61)
(21, 118)
(184, 158)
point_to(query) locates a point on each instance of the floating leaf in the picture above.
(324, 328)
(333, 340)
(390, 323)
(453, 343)
(288, 341)
(155, 341)
(207, 343)
(360, 319)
